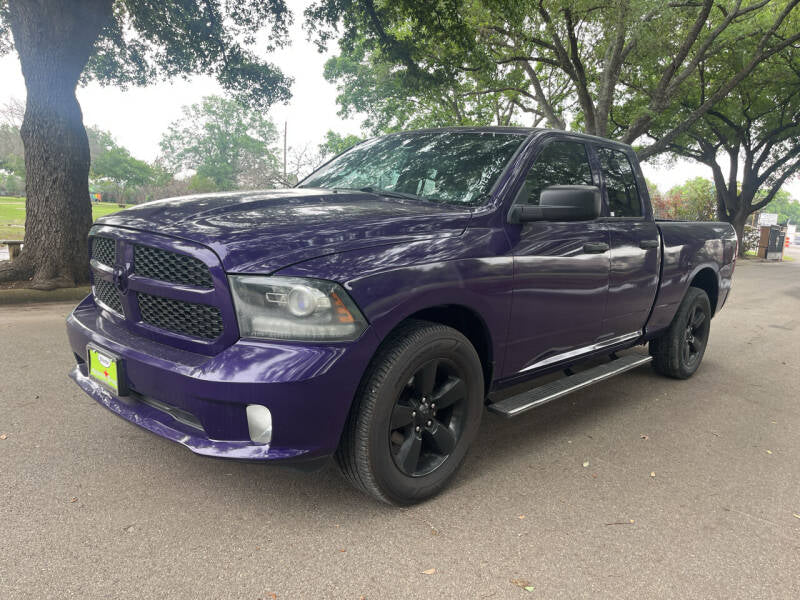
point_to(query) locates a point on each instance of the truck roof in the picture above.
(511, 130)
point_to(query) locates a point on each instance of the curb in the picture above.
(29, 296)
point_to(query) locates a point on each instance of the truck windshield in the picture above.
(443, 166)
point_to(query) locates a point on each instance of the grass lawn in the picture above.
(12, 216)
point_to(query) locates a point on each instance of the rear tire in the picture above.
(679, 351)
(416, 412)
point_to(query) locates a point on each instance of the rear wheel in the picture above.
(415, 414)
(679, 352)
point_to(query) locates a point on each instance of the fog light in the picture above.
(259, 423)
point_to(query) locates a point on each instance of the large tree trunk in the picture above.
(734, 209)
(738, 222)
(54, 40)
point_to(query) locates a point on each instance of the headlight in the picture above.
(294, 308)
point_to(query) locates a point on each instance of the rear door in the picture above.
(635, 247)
(560, 268)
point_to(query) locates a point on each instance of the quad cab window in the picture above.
(623, 195)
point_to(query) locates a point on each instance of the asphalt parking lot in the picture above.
(692, 489)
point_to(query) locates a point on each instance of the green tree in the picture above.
(610, 65)
(336, 143)
(392, 99)
(121, 42)
(693, 200)
(223, 141)
(11, 152)
(112, 162)
(12, 158)
(787, 209)
(755, 130)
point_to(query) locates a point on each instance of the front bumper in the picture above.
(200, 401)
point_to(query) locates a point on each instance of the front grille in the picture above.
(198, 320)
(170, 266)
(106, 293)
(104, 250)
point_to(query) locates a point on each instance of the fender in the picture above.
(688, 251)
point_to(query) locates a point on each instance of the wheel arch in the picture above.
(471, 325)
(463, 319)
(707, 280)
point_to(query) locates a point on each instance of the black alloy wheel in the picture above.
(428, 418)
(679, 351)
(416, 412)
(695, 336)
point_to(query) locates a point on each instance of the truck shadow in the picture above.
(501, 444)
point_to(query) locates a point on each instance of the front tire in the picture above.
(679, 352)
(416, 412)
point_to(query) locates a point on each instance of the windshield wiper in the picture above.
(391, 193)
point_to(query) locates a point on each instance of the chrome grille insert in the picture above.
(107, 294)
(104, 250)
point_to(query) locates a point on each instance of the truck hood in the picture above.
(262, 232)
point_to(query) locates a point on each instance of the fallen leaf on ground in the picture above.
(429, 571)
(586, 463)
(521, 583)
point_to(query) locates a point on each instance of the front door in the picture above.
(560, 269)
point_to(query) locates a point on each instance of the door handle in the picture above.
(595, 247)
(645, 244)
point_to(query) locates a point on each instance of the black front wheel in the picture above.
(679, 351)
(416, 412)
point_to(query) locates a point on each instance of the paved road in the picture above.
(91, 506)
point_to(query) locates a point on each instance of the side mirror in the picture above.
(561, 203)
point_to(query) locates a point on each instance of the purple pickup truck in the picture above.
(372, 312)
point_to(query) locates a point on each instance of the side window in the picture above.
(559, 163)
(623, 195)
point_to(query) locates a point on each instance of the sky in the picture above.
(137, 117)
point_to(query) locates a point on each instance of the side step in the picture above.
(511, 407)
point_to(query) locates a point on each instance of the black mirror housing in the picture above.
(561, 203)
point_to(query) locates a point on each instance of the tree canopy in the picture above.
(140, 41)
(755, 130)
(609, 69)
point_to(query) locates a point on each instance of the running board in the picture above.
(511, 407)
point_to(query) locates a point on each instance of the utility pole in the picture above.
(284, 152)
